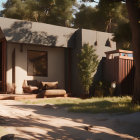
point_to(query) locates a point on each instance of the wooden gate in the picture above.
(119, 67)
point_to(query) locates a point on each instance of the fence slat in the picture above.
(122, 71)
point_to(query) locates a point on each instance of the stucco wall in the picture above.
(89, 36)
(21, 31)
(56, 68)
(75, 83)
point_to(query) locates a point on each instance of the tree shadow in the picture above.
(63, 132)
(67, 131)
(127, 84)
(21, 32)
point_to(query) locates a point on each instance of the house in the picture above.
(32, 50)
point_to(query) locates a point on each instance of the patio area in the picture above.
(17, 96)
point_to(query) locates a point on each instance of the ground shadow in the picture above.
(65, 131)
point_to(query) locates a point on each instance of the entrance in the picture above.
(2, 67)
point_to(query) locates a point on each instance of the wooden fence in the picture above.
(120, 68)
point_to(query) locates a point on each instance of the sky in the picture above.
(1, 1)
(87, 4)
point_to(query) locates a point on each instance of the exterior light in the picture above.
(96, 43)
(108, 43)
(113, 84)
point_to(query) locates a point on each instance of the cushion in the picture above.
(54, 92)
(26, 89)
(30, 89)
(32, 82)
(40, 86)
(50, 85)
(33, 88)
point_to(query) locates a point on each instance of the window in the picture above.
(37, 63)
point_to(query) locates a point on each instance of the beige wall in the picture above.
(56, 68)
(90, 36)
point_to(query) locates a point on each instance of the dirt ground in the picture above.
(49, 122)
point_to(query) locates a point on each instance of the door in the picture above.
(13, 67)
(2, 66)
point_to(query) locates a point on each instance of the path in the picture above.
(39, 122)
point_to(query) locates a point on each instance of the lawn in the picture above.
(92, 105)
(2, 131)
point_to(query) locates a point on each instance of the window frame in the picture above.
(46, 75)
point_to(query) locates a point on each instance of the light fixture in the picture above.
(108, 43)
(96, 43)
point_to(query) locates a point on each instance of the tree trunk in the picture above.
(134, 16)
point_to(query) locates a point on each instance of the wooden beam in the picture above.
(119, 51)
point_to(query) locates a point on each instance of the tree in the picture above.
(123, 36)
(48, 11)
(112, 13)
(87, 66)
(133, 7)
(86, 18)
(106, 18)
(102, 17)
(61, 13)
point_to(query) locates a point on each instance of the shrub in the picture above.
(87, 65)
(102, 88)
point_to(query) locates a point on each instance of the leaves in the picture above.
(48, 11)
(104, 17)
(108, 16)
(123, 35)
(87, 65)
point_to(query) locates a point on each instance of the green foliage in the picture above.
(112, 14)
(92, 105)
(104, 17)
(86, 18)
(107, 16)
(87, 66)
(61, 13)
(102, 89)
(57, 12)
(106, 105)
(2, 131)
(123, 36)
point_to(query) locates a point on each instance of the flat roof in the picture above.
(21, 31)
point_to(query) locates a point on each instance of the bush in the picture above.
(87, 66)
(102, 88)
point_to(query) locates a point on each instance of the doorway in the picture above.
(13, 67)
(2, 66)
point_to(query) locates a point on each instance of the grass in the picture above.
(92, 105)
(2, 131)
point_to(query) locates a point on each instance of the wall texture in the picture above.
(21, 31)
(56, 65)
(89, 36)
(64, 45)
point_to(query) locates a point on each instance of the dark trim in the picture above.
(4, 64)
(13, 66)
(36, 45)
(69, 71)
